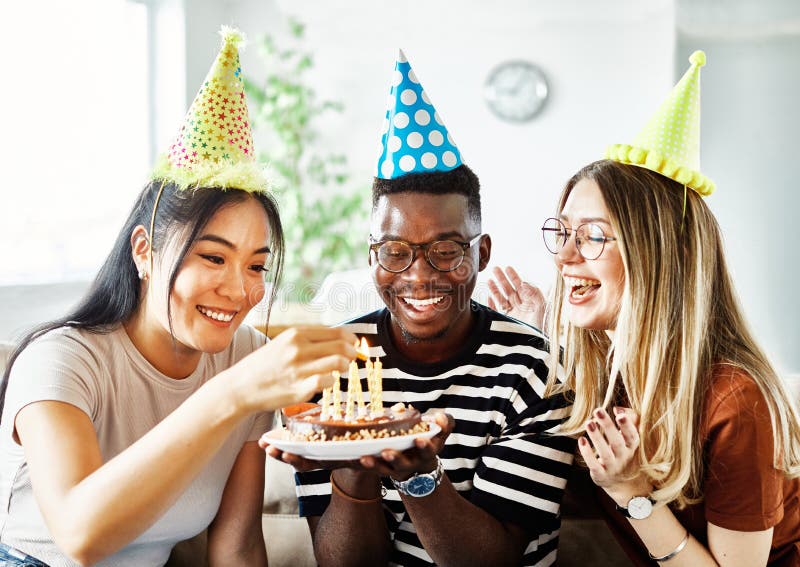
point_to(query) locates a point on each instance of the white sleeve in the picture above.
(54, 367)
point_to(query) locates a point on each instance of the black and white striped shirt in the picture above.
(499, 456)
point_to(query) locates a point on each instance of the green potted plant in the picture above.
(324, 215)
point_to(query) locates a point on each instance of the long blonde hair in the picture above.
(679, 316)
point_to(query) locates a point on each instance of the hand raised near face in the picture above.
(292, 367)
(611, 453)
(516, 298)
(398, 464)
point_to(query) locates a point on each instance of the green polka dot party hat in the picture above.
(414, 138)
(670, 142)
(214, 147)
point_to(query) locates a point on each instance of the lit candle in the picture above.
(362, 410)
(336, 412)
(326, 401)
(378, 384)
(352, 381)
(371, 387)
(362, 350)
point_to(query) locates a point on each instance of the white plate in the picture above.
(343, 450)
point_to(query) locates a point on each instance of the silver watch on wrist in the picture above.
(638, 508)
(421, 484)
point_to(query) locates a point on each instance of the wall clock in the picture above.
(516, 90)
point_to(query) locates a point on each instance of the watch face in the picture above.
(640, 507)
(516, 91)
(421, 485)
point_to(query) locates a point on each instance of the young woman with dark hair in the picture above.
(132, 423)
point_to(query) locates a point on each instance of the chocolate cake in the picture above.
(397, 420)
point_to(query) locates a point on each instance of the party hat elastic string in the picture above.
(683, 214)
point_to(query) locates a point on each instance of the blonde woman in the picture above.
(686, 430)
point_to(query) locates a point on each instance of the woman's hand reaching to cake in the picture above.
(292, 367)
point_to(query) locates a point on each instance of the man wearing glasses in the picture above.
(487, 489)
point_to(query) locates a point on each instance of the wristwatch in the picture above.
(639, 508)
(420, 484)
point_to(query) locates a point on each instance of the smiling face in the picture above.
(220, 280)
(593, 288)
(430, 309)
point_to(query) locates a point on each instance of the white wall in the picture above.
(609, 64)
(452, 45)
(751, 116)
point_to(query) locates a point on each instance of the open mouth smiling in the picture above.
(217, 315)
(414, 302)
(580, 286)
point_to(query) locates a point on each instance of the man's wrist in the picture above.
(358, 484)
(425, 469)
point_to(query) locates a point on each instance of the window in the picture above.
(76, 133)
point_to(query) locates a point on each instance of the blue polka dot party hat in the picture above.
(415, 139)
(669, 144)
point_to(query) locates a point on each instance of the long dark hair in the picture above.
(116, 291)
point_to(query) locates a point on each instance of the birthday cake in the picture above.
(350, 417)
(311, 425)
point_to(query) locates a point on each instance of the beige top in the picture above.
(124, 396)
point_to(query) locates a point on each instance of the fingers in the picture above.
(503, 281)
(601, 447)
(607, 427)
(632, 416)
(628, 429)
(447, 422)
(589, 456)
(421, 457)
(513, 276)
(497, 300)
(318, 333)
(530, 293)
(324, 366)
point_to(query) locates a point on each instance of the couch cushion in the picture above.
(279, 494)
(6, 348)
(288, 541)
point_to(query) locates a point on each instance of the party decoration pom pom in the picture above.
(670, 168)
(637, 155)
(232, 35)
(653, 161)
(698, 58)
(684, 176)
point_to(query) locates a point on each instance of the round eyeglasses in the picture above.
(590, 240)
(443, 255)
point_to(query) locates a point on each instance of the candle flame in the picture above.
(362, 350)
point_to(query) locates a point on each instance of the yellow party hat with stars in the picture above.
(214, 147)
(670, 142)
